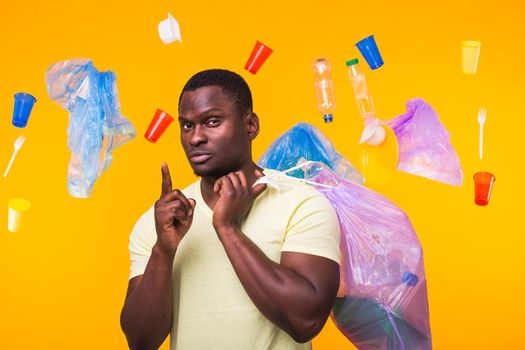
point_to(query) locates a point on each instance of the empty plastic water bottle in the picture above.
(324, 88)
(363, 98)
(388, 271)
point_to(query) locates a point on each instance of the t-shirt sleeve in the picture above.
(314, 229)
(141, 241)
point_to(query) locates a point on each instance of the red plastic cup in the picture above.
(483, 187)
(160, 122)
(260, 54)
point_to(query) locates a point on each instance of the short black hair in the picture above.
(232, 84)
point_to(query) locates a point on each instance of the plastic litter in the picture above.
(17, 146)
(259, 55)
(324, 88)
(382, 302)
(362, 96)
(424, 144)
(169, 30)
(374, 134)
(369, 50)
(469, 56)
(160, 122)
(482, 118)
(306, 142)
(16, 208)
(22, 110)
(483, 182)
(96, 126)
(379, 156)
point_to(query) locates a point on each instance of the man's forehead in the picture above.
(204, 98)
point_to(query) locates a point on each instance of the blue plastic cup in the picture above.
(370, 52)
(23, 106)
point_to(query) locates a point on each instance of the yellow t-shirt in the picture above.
(211, 308)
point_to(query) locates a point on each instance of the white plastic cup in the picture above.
(470, 56)
(169, 30)
(16, 208)
(373, 134)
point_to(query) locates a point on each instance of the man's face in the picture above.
(214, 137)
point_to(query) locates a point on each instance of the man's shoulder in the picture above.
(293, 193)
(291, 187)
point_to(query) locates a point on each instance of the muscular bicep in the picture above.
(322, 273)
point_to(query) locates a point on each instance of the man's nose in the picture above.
(198, 136)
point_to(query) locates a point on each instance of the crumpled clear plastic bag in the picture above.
(306, 142)
(424, 144)
(96, 126)
(382, 301)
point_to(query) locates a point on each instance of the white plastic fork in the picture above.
(18, 144)
(482, 117)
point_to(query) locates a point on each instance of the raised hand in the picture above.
(173, 214)
(236, 197)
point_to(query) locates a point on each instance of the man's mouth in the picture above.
(198, 158)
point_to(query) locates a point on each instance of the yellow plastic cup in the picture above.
(379, 163)
(470, 55)
(17, 206)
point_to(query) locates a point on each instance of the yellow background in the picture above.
(64, 276)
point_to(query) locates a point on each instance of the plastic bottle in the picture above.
(387, 271)
(363, 98)
(324, 88)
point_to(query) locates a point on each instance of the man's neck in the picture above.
(207, 183)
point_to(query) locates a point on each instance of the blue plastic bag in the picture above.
(96, 126)
(306, 142)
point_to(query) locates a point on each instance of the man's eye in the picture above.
(186, 126)
(213, 122)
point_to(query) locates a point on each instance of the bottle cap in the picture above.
(328, 118)
(410, 279)
(352, 62)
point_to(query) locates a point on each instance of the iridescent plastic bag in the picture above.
(424, 144)
(382, 300)
(96, 126)
(306, 142)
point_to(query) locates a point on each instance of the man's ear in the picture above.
(252, 125)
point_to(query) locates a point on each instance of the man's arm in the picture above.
(147, 315)
(297, 294)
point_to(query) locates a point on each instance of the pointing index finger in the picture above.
(166, 180)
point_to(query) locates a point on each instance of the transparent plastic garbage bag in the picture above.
(424, 144)
(382, 302)
(96, 126)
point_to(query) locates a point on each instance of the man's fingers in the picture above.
(176, 195)
(227, 186)
(236, 183)
(217, 185)
(174, 210)
(244, 181)
(258, 189)
(166, 180)
(193, 204)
